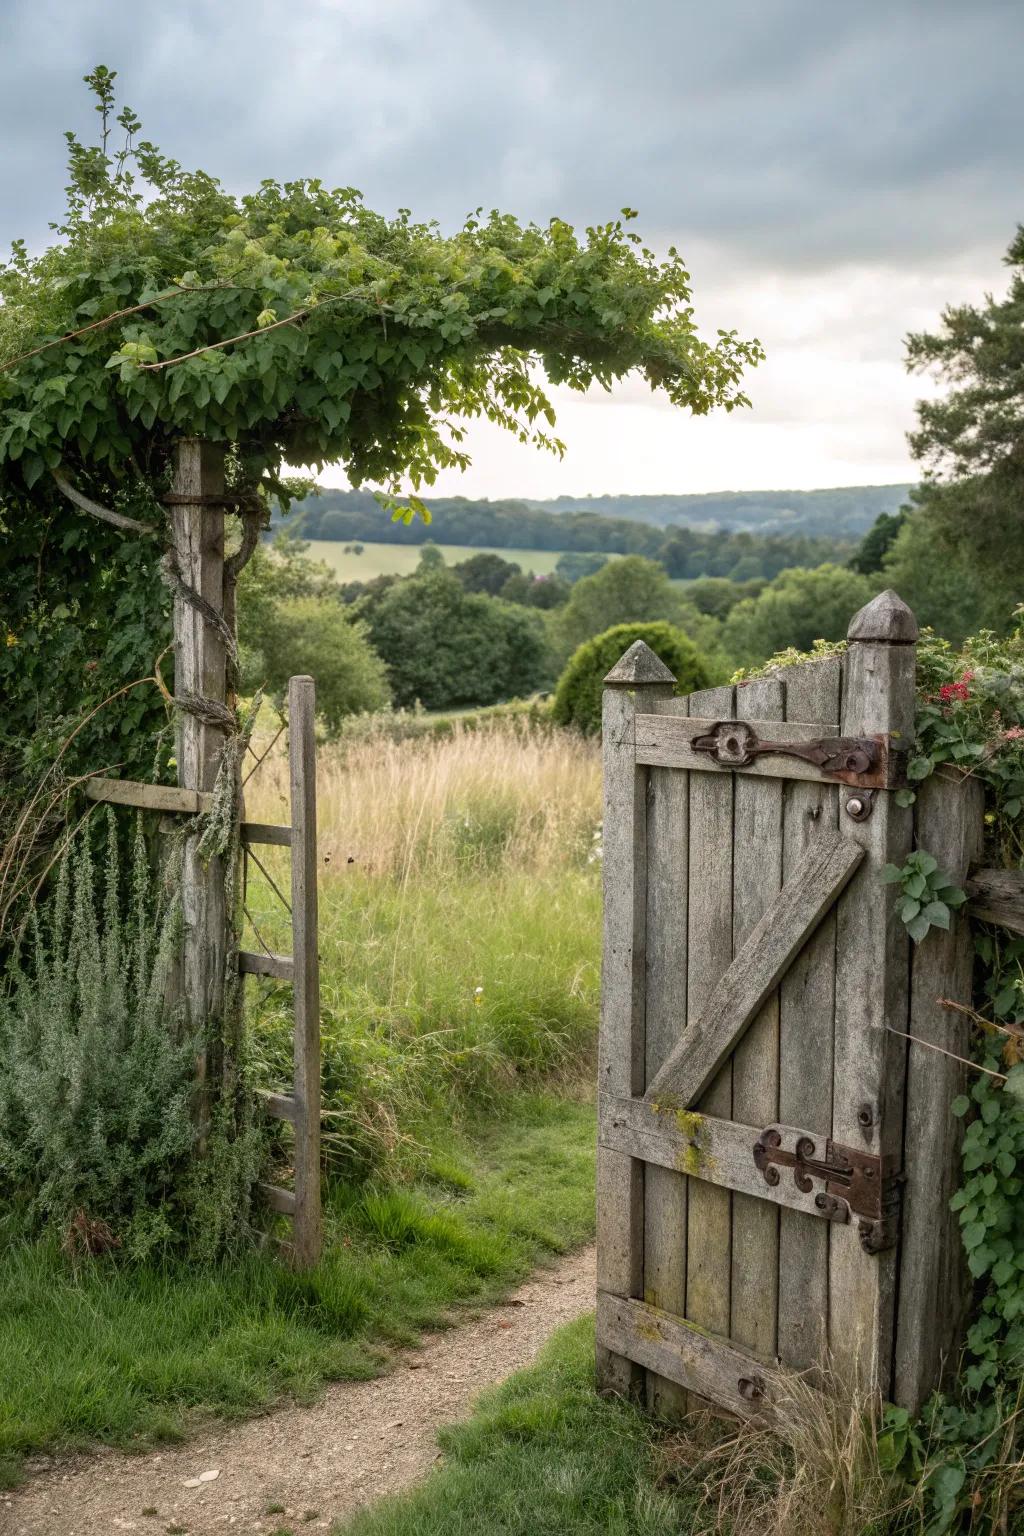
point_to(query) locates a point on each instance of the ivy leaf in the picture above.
(904, 797)
(960, 1105)
(919, 768)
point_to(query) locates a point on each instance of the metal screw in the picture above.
(855, 807)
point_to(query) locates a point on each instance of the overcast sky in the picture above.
(832, 172)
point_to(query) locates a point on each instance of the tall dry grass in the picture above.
(459, 927)
(505, 792)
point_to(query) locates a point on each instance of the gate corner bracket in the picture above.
(880, 1232)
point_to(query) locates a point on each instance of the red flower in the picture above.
(955, 692)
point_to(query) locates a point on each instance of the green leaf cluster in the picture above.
(928, 893)
(580, 688)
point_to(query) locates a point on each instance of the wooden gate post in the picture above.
(200, 670)
(871, 988)
(306, 972)
(637, 679)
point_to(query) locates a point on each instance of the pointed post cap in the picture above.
(886, 620)
(637, 667)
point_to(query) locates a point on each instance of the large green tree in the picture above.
(796, 609)
(969, 513)
(296, 326)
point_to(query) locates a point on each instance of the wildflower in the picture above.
(958, 693)
(12, 638)
(478, 996)
(1015, 733)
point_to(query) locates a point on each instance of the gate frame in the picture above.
(894, 1313)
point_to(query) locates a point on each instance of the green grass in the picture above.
(402, 559)
(128, 1355)
(543, 1455)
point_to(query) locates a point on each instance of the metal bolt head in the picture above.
(854, 807)
(865, 1116)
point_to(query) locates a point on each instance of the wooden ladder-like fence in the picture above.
(300, 1107)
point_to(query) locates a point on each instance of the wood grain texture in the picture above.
(709, 952)
(302, 772)
(664, 740)
(664, 1282)
(252, 963)
(279, 1106)
(997, 896)
(621, 1046)
(933, 1279)
(806, 1009)
(872, 986)
(266, 832)
(200, 668)
(281, 1200)
(148, 797)
(757, 879)
(710, 1367)
(703, 1147)
(779, 935)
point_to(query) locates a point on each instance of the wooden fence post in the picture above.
(306, 972)
(200, 670)
(871, 988)
(636, 679)
(949, 819)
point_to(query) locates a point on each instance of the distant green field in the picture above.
(400, 559)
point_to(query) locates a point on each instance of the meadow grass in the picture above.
(459, 941)
(129, 1354)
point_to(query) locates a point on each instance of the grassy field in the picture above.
(402, 559)
(459, 941)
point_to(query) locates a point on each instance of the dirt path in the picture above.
(303, 1468)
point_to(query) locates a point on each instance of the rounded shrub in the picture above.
(578, 695)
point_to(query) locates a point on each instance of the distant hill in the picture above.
(838, 512)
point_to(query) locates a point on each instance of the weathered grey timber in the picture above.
(757, 880)
(147, 797)
(780, 933)
(664, 1280)
(872, 984)
(806, 1011)
(302, 768)
(709, 951)
(623, 985)
(200, 671)
(933, 1286)
(754, 1058)
(997, 896)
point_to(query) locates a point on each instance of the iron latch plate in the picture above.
(855, 1183)
(868, 762)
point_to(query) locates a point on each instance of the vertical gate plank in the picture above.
(620, 1179)
(933, 1281)
(757, 879)
(708, 1262)
(806, 1006)
(306, 968)
(871, 990)
(664, 1189)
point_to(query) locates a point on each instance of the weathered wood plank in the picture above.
(933, 1280)
(280, 1106)
(757, 879)
(707, 1365)
(806, 1010)
(663, 740)
(709, 951)
(266, 832)
(302, 772)
(620, 1231)
(997, 896)
(779, 935)
(252, 963)
(278, 1199)
(200, 670)
(871, 991)
(664, 1188)
(702, 1147)
(147, 797)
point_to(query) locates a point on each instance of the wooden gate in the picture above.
(775, 1161)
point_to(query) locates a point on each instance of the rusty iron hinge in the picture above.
(857, 1183)
(865, 761)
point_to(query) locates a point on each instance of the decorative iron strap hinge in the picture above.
(856, 1183)
(866, 761)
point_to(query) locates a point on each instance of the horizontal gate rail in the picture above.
(699, 1361)
(758, 747)
(718, 1151)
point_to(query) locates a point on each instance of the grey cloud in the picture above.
(790, 133)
